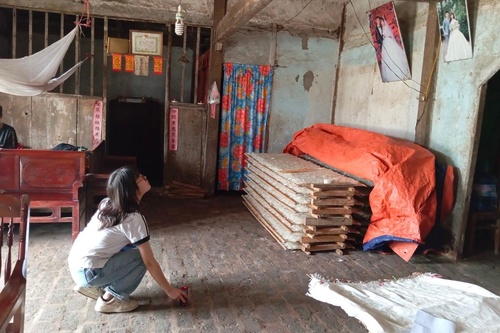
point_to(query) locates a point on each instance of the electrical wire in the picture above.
(371, 42)
(307, 4)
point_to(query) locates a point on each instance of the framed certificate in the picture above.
(146, 42)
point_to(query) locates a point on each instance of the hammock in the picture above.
(34, 74)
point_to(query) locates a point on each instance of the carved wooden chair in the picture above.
(13, 208)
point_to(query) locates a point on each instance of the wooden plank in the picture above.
(329, 221)
(287, 245)
(326, 231)
(239, 14)
(323, 247)
(354, 201)
(182, 185)
(323, 239)
(332, 193)
(254, 195)
(274, 186)
(299, 170)
(340, 52)
(317, 203)
(262, 221)
(185, 164)
(285, 211)
(330, 186)
(331, 211)
(431, 53)
(275, 165)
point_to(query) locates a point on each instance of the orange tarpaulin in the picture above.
(403, 199)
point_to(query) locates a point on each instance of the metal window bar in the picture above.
(61, 66)
(183, 66)
(77, 59)
(14, 32)
(46, 31)
(30, 32)
(197, 64)
(78, 45)
(92, 62)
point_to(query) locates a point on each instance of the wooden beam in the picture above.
(431, 55)
(239, 15)
(210, 149)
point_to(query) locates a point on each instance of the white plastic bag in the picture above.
(214, 96)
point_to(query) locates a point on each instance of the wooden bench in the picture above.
(13, 293)
(51, 178)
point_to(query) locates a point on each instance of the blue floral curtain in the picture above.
(246, 95)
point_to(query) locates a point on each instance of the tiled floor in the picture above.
(240, 279)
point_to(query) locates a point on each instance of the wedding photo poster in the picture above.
(454, 28)
(389, 47)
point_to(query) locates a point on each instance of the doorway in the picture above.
(486, 182)
(140, 88)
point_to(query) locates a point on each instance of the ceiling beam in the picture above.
(239, 15)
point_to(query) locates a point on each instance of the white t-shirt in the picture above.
(93, 247)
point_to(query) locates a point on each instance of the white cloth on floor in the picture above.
(391, 306)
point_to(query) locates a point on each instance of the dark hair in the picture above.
(1, 111)
(122, 197)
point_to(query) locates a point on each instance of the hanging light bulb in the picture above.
(179, 22)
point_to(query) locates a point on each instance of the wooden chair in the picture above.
(95, 187)
(13, 294)
(484, 221)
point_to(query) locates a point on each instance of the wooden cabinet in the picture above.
(136, 129)
(186, 163)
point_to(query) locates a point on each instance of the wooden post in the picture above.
(431, 54)
(210, 150)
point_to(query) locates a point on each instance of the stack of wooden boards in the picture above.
(306, 206)
(184, 191)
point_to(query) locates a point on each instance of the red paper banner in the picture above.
(157, 65)
(173, 134)
(116, 62)
(96, 124)
(129, 63)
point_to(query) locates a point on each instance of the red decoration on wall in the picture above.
(173, 134)
(96, 123)
(129, 63)
(157, 65)
(117, 62)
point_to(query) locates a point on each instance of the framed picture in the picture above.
(146, 42)
(456, 42)
(388, 43)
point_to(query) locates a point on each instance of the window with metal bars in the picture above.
(24, 32)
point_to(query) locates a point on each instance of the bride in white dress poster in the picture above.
(458, 46)
(394, 64)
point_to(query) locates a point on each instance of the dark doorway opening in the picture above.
(485, 194)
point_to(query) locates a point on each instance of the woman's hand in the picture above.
(177, 294)
(155, 270)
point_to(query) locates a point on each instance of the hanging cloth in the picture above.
(246, 96)
(34, 74)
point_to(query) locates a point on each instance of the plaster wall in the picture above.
(454, 126)
(303, 79)
(363, 100)
(303, 84)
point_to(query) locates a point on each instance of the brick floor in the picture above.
(240, 279)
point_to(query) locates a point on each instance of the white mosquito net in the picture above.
(35, 74)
